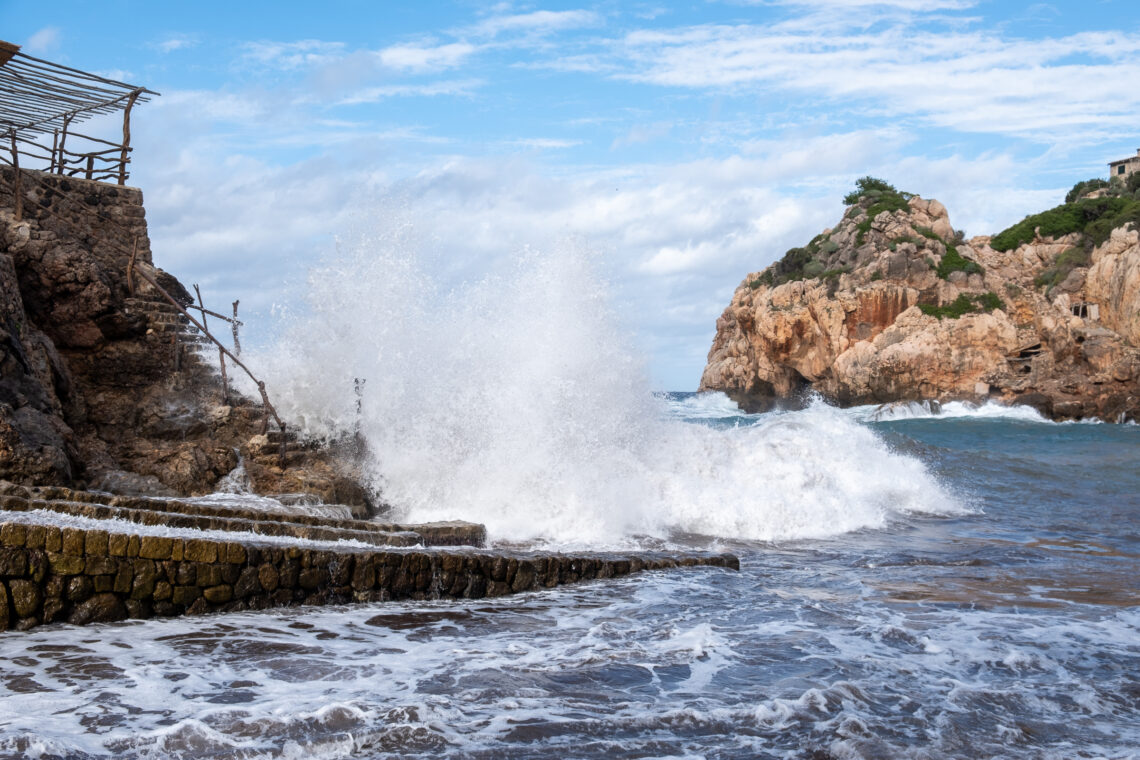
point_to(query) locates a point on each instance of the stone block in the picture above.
(269, 578)
(35, 537)
(73, 541)
(53, 542)
(155, 547)
(145, 578)
(209, 574)
(184, 596)
(96, 543)
(13, 561)
(162, 591)
(124, 579)
(247, 583)
(4, 621)
(103, 583)
(313, 578)
(117, 545)
(100, 566)
(219, 594)
(13, 534)
(80, 588)
(101, 608)
(363, 574)
(177, 549)
(234, 554)
(197, 550)
(133, 543)
(186, 574)
(26, 597)
(65, 564)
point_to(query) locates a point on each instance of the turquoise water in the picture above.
(1004, 625)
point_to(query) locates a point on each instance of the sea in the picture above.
(916, 581)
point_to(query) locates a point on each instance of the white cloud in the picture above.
(970, 81)
(428, 89)
(542, 22)
(292, 55)
(176, 42)
(425, 57)
(43, 41)
(545, 142)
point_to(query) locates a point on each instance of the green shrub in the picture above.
(1087, 186)
(952, 261)
(962, 305)
(1013, 289)
(867, 186)
(926, 232)
(1095, 218)
(878, 275)
(756, 283)
(1069, 260)
(1132, 184)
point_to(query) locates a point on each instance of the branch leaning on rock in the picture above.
(226, 352)
(133, 270)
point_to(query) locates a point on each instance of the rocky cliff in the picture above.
(893, 305)
(107, 386)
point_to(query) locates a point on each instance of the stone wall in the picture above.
(60, 574)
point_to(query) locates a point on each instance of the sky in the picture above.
(687, 144)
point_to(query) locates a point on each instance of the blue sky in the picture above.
(688, 143)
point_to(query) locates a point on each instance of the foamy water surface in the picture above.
(913, 584)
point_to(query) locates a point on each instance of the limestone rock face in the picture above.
(842, 318)
(95, 389)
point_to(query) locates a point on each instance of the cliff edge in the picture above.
(893, 305)
(105, 384)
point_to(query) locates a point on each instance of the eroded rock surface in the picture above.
(106, 386)
(845, 318)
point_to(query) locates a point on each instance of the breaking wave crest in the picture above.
(515, 400)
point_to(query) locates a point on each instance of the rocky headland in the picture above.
(105, 384)
(892, 304)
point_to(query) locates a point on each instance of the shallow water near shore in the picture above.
(1003, 624)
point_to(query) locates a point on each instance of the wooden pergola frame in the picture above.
(39, 98)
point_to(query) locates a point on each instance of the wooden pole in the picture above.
(17, 189)
(221, 356)
(62, 140)
(90, 165)
(234, 324)
(54, 143)
(127, 137)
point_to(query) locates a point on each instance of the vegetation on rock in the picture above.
(964, 304)
(1093, 218)
(952, 261)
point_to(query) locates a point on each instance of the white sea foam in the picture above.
(516, 401)
(916, 410)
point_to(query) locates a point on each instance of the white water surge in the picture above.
(516, 401)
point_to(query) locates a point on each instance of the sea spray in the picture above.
(516, 400)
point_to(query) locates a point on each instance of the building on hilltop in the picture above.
(1124, 167)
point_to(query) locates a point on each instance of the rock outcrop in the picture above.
(102, 383)
(893, 305)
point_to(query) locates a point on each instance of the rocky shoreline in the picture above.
(893, 305)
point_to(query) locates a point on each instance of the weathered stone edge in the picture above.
(51, 574)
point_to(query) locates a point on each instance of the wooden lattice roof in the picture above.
(39, 96)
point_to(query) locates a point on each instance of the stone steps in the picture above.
(278, 528)
(433, 534)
